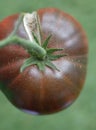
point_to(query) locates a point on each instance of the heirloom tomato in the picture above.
(43, 60)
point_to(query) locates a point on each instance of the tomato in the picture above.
(48, 91)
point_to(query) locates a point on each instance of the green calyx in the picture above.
(40, 54)
(46, 61)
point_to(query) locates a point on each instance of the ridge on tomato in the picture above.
(43, 60)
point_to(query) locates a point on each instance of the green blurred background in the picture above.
(82, 114)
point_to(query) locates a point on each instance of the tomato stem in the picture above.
(30, 46)
(33, 47)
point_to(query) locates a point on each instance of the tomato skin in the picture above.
(49, 91)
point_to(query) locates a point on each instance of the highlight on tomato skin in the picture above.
(44, 92)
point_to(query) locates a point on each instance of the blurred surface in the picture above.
(79, 116)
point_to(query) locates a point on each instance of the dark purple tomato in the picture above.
(48, 91)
